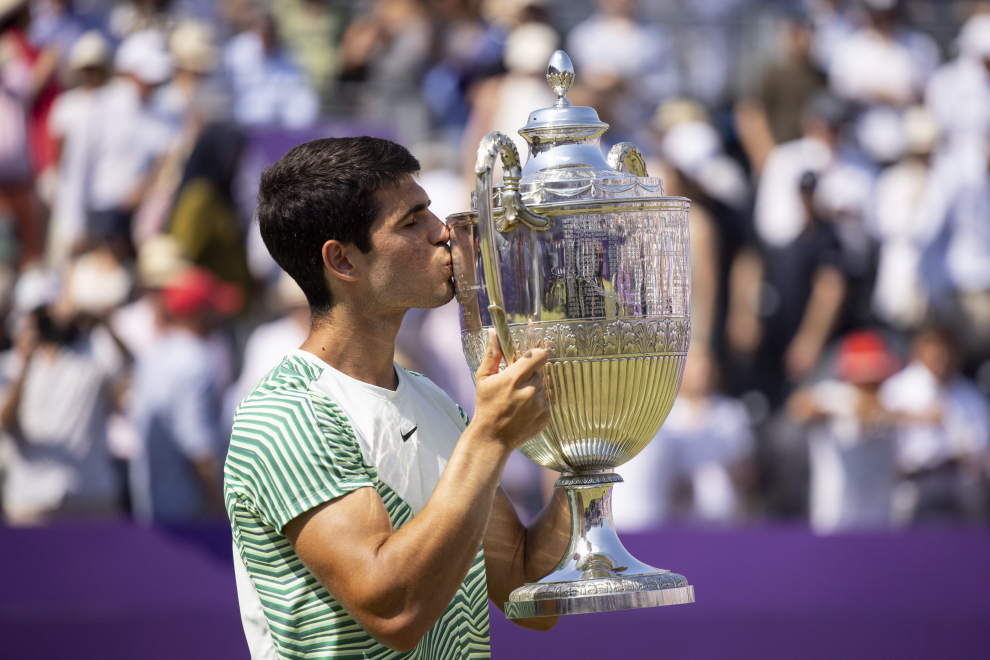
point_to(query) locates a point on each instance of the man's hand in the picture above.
(511, 405)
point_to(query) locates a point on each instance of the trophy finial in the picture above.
(560, 75)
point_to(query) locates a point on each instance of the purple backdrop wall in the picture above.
(117, 591)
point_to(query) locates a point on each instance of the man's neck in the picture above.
(357, 344)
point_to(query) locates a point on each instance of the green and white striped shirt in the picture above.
(307, 434)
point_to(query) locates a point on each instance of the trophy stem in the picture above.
(596, 574)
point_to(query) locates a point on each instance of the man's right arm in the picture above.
(396, 584)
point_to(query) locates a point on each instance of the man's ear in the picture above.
(339, 262)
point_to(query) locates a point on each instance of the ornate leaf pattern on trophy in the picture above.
(590, 338)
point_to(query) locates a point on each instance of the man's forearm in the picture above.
(433, 552)
(515, 554)
(547, 537)
(827, 295)
(400, 585)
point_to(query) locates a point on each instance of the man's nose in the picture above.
(443, 233)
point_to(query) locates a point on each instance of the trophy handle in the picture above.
(494, 145)
(626, 153)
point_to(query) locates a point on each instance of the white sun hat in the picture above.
(144, 56)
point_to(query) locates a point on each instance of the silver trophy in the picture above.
(573, 255)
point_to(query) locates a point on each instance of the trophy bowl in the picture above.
(576, 256)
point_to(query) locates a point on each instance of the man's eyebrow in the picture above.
(415, 209)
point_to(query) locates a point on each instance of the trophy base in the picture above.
(601, 595)
(596, 574)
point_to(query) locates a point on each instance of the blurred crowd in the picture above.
(837, 155)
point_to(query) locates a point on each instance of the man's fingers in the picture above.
(493, 357)
(528, 364)
(536, 379)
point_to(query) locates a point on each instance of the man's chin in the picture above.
(443, 297)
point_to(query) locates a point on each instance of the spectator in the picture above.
(962, 253)
(311, 29)
(190, 99)
(773, 116)
(503, 103)
(944, 430)
(268, 87)
(195, 58)
(60, 389)
(698, 467)
(852, 438)
(175, 405)
(136, 323)
(55, 25)
(466, 50)
(27, 90)
(88, 65)
(802, 292)
(625, 83)
(386, 51)
(885, 62)
(126, 140)
(707, 44)
(204, 220)
(906, 219)
(833, 21)
(719, 193)
(958, 95)
(780, 214)
(883, 67)
(270, 342)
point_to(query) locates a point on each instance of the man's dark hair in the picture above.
(324, 190)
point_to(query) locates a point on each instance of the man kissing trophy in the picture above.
(573, 255)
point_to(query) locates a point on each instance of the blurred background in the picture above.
(837, 155)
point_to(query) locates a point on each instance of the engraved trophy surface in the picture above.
(574, 255)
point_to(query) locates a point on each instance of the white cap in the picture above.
(191, 44)
(974, 38)
(921, 130)
(880, 132)
(689, 145)
(36, 287)
(144, 56)
(98, 283)
(90, 50)
(528, 48)
(159, 259)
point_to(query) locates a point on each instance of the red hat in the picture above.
(864, 358)
(196, 290)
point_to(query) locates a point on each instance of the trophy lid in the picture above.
(561, 115)
(566, 170)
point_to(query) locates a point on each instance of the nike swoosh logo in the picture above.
(406, 436)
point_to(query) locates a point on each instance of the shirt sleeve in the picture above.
(292, 454)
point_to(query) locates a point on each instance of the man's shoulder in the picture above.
(283, 407)
(287, 427)
(292, 377)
